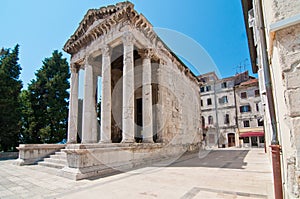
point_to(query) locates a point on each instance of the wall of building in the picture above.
(284, 59)
(180, 121)
(251, 100)
(276, 10)
(218, 110)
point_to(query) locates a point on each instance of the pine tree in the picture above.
(46, 119)
(27, 118)
(10, 88)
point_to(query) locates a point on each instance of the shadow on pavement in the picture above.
(231, 159)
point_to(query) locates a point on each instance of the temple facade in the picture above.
(150, 101)
(144, 84)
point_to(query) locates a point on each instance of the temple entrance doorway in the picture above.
(139, 120)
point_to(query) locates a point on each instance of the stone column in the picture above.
(105, 132)
(88, 105)
(128, 89)
(160, 109)
(147, 96)
(73, 107)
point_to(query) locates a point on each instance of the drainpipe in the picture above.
(217, 118)
(236, 113)
(275, 147)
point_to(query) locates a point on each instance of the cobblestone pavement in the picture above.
(220, 173)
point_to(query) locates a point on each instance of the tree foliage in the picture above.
(45, 105)
(10, 88)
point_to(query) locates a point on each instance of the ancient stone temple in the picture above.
(150, 101)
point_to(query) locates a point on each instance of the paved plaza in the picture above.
(220, 173)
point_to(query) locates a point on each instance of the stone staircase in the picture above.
(57, 160)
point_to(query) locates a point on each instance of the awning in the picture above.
(252, 134)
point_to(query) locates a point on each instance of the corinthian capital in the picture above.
(74, 68)
(106, 50)
(146, 53)
(127, 38)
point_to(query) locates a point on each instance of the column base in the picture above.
(128, 140)
(105, 141)
(72, 142)
(148, 140)
(88, 142)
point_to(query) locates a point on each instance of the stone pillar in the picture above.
(88, 105)
(128, 89)
(147, 96)
(105, 136)
(160, 109)
(73, 107)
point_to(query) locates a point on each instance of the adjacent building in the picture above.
(249, 117)
(273, 30)
(230, 111)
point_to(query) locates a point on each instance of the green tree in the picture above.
(46, 114)
(10, 88)
(27, 118)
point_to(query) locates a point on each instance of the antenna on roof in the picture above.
(246, 63)
(238, 69)
(242, 66)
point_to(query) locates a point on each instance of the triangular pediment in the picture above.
(99, 22)
(103, 17)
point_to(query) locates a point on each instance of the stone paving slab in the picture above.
(217, 174)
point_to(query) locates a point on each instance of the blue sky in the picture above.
(40, 27)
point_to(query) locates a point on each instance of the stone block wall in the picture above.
(277, 10)
(32, 153)
(288, 48)
(180, 101)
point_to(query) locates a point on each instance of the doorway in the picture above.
(139, 120)
(254, 142)
(231, 139)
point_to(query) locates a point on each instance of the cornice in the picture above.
(98, 22)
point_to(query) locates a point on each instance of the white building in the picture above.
(220, 105)
(250, 120)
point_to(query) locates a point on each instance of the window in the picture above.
(257, 107)
(201, 102)
(245, 109)
(256, 93)
(202, 89)
(210, 120)
(223, 100)
(226, 119)
(244, 95)
(208, 88)
(246, 123)
(224, 85)
(209, 101)
(260, 122)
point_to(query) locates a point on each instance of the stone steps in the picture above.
(57, 160)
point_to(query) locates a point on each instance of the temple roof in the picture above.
(101, 17)
(98, 22)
